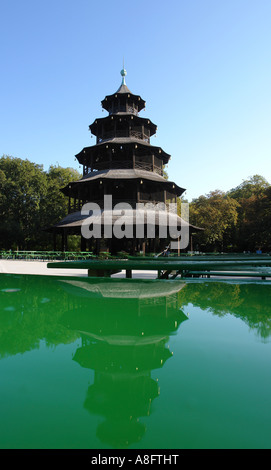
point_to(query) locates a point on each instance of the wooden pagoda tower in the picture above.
(125, 165)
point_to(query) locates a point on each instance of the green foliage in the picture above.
(254, 214)
(239, 220)
(165, 173)
(30, 201)
(254, 186)
(217, 214)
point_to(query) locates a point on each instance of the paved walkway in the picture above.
(36, 267)
(40, 267)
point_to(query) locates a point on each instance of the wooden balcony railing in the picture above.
(118, 164)
(123, 133)
(76, 204)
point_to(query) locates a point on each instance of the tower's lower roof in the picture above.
(127, 174)
(128, 216)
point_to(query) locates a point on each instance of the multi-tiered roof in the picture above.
(122, 163)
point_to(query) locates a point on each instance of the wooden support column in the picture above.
(138, 191)
(64, 240)
(79, 198)
(105, 187)
(83, 243)
(134, 158)
(152, 162)
(109, 242)
(134, 246)
(115, 127)
(54, 241)
(110, 157)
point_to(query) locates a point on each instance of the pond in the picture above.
(92, 363)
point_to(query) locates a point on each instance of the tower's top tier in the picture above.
(123, 100)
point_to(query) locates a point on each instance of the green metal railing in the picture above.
(46, 255)
(184, 266)
(171, 268)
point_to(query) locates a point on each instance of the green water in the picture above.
(96, 363)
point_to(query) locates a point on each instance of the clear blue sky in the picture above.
(203, 67)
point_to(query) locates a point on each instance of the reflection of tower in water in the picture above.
(124, 338)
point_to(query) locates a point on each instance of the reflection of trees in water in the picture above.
(124, 333)
(124, 328)
(30, 309)
(250, 302)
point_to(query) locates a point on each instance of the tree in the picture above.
(254, 214)
(23, 186)
(216, 213)
(55, 206)
(253, 186)
(30, 201)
